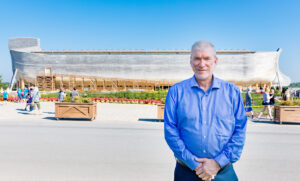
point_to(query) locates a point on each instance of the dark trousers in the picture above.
(183, 173)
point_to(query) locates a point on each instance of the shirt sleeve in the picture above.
(233, 149)
(172, 134)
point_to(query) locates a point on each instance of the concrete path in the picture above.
(116, 146)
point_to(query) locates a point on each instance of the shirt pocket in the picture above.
(224, 126)
(187, 115)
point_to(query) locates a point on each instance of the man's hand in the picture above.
(199, 166)
(207, 169)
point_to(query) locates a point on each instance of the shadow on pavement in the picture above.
(21, 110)
(49, 112)
(273, 122)
(151, 120)
(24, 113)
(50, 118)
(65, 119)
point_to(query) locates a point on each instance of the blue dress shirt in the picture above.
(209, 124)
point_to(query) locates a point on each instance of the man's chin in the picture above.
(202, 77)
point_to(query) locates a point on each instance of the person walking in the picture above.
(61, 95)
(29, 97)
(273, 98)
(266, 104)
(205, 121)
(248, 102)
(36, 100)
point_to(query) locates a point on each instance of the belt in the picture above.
(183, 164)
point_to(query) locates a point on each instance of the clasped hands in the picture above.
(207, 168)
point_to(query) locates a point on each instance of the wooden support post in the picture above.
(82, 83)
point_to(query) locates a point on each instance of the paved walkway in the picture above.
(116, 146)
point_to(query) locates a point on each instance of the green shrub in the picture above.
(286, 103)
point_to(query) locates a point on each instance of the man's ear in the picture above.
(216, 60)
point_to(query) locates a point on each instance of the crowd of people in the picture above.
(30, 96)
(62, 95)
(268, 103)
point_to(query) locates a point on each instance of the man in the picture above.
(205, 121)
(74, 94)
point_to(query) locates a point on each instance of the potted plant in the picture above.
(161, 109)
(287, 111)
(81, 108)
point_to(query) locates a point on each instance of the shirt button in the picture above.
(204, 151)
(204, 137)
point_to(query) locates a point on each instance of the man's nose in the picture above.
(201, 63)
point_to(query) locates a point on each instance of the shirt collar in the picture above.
(215, 84)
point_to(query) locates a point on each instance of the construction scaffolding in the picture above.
(55, 82)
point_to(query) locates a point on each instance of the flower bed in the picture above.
(126, 101)
(10, 99)
(111, 100)
(97, 99)
(49, 99)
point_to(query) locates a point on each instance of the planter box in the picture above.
(287, 114)
(160, 111)
(75, 110)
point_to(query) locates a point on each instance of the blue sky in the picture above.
(261, 25)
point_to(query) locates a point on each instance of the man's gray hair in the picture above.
(202, 45)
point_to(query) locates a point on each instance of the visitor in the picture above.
(29, 97)
(36, 100)
(248, 102)
(286, 95)
(74, 94)
(19, 92)
(5, 96)
(273, 97)
(266, 103)
(25, 93)
(61, 95)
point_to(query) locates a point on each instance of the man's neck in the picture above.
(205, 84)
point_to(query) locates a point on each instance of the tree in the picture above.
(296, 84)
(3, 85)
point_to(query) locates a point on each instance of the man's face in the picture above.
(203, 63)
